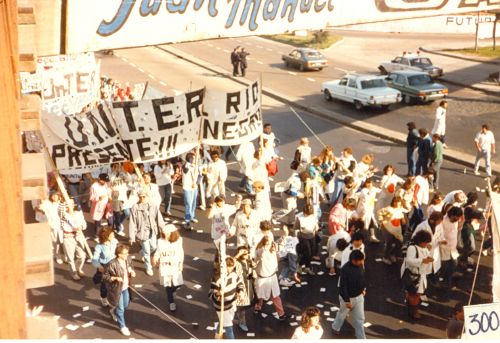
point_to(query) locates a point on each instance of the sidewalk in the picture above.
(473, 72)
(452, 155)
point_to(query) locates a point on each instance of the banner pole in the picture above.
(260, 112)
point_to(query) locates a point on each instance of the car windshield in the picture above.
(422, 61)
(417, 80)
(312, 54)
(374, 83)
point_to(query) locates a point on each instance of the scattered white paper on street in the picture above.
(232, 194)
(334, 308)
(263, 315)
(275, 314)
(197, 286)
(72, 327)
(299, 317)
(210, 328)
(250, 334)
(303, 283)
(316, 263)
(269, 302)
(285, 288)
(326, 313)
(230, 245)
(196, 258)
(86, 325)
(174, 222)
(189, 296)
(324, 252)
(298, 285)
(138, 286)
(294, 324)
(132, 257)
(85, 308)
(324, 247)
(367, 324)
(320, 305)
(194, 324)
(378, 260)
(276, 229)
(76, 315)
(199, 231)
(329, 319)
(424, 304)
(320, 273)
(322, 290)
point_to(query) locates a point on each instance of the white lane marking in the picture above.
(249, 58)
(218, 48)
(259, 62)
(269, 49)
(249, 44)
(177, 92)
(311, 79)
(239, 41)
(210, 45)
(152, 76)
(307, 126)
(227, 51)
(291, 73)
(133, 64)
(258, 46)
(141, 70)
(163, 83)
(123, 58)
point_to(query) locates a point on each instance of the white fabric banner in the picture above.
(159, 129)
(70, 82)
(232, 118)
(495, 228)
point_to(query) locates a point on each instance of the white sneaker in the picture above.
(59, 261)
(121, 234)
(194, 220)
(104, 302)
(76, 277)
(150, 272)
(173, 307)
(203, 208)
(476, 172)
(374, 239)
(125, 331)
(286, 282)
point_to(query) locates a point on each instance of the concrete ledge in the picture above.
(451, 155)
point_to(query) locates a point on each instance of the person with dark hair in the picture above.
(345, 161)
(417, 264)
(340, 214)
(455, 326)
(424, 151)
(439, 127)
(224, 292)
(335, 246)
(411, 148)
(169, 256)
(473, 219)
(356, 243)
(352, 290)
(73, 224)
(145, 223)
(245, 269)
(449, 252)
(485, 146)
(104, 252)
(307, 227)
(392, 218)
(271, 137)
(388, 185)
(287, 251)
(235, 60)
(436, 158)
(190, 190)
(436, 204)
(216, 176)
(310, 326)
(220, 213)
(117, 276)
(100, 195)
(366, 208)
(243, 61)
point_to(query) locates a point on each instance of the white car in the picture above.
(411, 62)
(361, 90)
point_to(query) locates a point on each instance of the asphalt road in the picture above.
(385, 310)
(363, 52)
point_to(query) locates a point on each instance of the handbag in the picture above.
(410, 281)
(294, 165)
(272, 168)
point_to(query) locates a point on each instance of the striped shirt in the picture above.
(234, 284)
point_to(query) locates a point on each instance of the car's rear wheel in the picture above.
(408, 99)
(382, 70)
(287, 64)
(320, 69)
(328, 96)
(358, 105)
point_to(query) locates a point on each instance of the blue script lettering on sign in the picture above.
(250, 11)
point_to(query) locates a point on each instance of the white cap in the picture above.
(169, 228)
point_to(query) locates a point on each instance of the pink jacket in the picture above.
(338, 215)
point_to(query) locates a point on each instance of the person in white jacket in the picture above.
(417, 265)
(163, 172)
(449, 253)
(169, 257)
(366, 208)
(216, 176)
(50, 213)
(440, 121)
(388, 185)
(244, 156)
(245, 224)
(152, 190)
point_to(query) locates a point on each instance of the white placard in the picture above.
(482, 321)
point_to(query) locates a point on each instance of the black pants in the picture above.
(447, 270)
(170, 293)
(235, 69)
(392, 245)
(103, 290)
(243, 68)
(308, 249)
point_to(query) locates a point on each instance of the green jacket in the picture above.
(437, 152)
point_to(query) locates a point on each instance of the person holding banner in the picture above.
(216, 176)
(145, 223)
(189, 186)
(163, 172)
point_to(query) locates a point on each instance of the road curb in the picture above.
(374, 130)
(460, 57)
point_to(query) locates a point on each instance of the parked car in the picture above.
(305, 59)
(413, 62)
(416, 85)
(361, 90)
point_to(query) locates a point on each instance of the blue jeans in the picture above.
(122, 306)
(190, 196)
(337, 192)
(74, 191)
(119, 218)
(357, 315)
(411, 161)
(288, 265)
(148, 247)
(166, 196)
(228, 331)
(422, 166)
